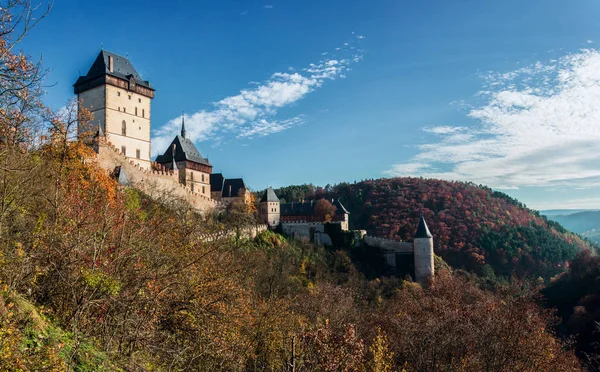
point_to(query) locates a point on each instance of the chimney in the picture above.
(110, 63)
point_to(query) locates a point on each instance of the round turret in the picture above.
(423, 252)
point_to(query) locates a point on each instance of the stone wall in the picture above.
(389, 247)
(159, 185)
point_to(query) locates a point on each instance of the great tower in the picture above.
(121, 103)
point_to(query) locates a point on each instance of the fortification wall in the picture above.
(160, 185)
(390, 248)
(389, 245)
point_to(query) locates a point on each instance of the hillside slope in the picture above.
(473, 227)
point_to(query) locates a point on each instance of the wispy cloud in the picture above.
(535, 126)
(268, 6)
(253, 112)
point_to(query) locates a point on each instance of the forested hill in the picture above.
(474, 227)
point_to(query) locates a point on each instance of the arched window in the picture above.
(124, 128)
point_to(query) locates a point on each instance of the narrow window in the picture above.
(143, 113)
(192, 187)
(136, 111)
(124, 109)
(123, 128)
(137, 153)
(202, 177)
(139, 100)
(203, 190)
(123, 150)
(129, 96)
(192, 175)
(118, 94)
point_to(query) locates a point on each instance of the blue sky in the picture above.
(285, 92)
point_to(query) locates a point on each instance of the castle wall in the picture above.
(162, 186)
(198, 182)
(389, 247)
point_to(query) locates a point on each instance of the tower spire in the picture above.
(183, 125)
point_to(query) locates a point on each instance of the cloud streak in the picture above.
(535, 126)
(253, 112)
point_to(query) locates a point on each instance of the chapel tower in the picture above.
(270, 212)
(423, 252)
(120, 101)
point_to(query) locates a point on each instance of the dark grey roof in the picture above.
(269, 196)
(216, 182)
(307, 208)
(422, 230)
(232, 187)
(122, 69)
(123, 180)
(340, 207)
(185, 150)
(298, 209)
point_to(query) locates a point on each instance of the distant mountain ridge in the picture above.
(474, 227)
(565, 212)
(579, 222)
(584, 222)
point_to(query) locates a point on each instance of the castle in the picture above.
(302, 220)
(120, 101)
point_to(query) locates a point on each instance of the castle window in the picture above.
(202, 177)
(192, 187)
(130, 96)
(118, 94)
(143, 113)
(123, 150)
(123, 128)
(139, 100)
(203, 190)
(124, 109)
(136, 111)
(137, 153)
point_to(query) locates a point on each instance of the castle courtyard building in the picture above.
(194, 170)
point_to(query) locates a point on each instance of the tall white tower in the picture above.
(120, 101)
(423, 251)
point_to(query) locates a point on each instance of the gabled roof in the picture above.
(185, 150)
(269, 196)
(422, 230)
(232, 187)
(122, 69)
(307, 208)
(216, 182)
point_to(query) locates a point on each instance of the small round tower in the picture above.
(423, 251)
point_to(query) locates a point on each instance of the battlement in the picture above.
(157, 182)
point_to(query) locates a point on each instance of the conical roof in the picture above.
(423, 230)
(123, 179)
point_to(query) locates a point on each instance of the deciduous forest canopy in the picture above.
(96, 276)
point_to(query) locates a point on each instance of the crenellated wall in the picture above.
(158, 184)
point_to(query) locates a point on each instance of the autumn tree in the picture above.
(325, 209)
